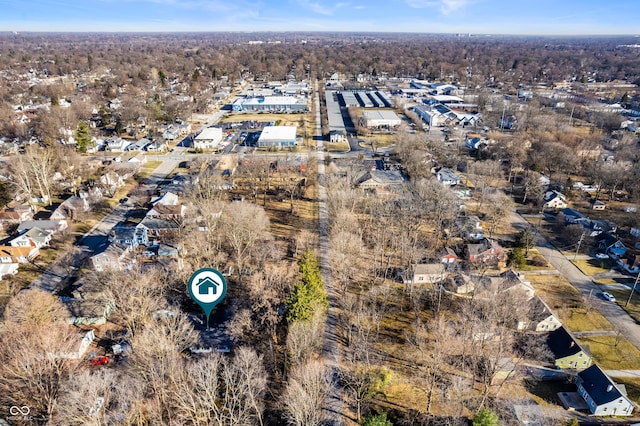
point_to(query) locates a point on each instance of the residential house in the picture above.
(470, 227)
(602, 395)
(158, 228)
(116, 144)
(447, 176)
(426, 273)
(539, 318)
(113, 180)
(128, 236)
(209, 138)
(573, 217)
(70, 209)
(598, 205)
(567, 353)
(381, 181)
(34, 237)
(171, 133)
(164, 211)
(512, 281)
(7, 269)
(93, 309)
(17, 214)
(485, 251)
(156, 146)
(448, 256)
(11, 254)
(610, 244)
(461, 284)
(166, 250)
(91, 194)
(554, 200)
(52, 226)
(168, 199)
(111, 258)
(138, 145)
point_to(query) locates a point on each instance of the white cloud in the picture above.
(444, 6)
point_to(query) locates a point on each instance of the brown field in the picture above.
(569, 305)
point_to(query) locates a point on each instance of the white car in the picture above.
(602, 256)
(608, 296)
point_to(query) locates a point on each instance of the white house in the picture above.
(209, 138)
(34, 237)
(602, 395)
(426, 273)
(554, 200)
(116, 144)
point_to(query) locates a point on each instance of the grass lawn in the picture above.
(567, 303)
(634, 306)
(148, 168)
(608, 355)
(591, 267)
(337, 146)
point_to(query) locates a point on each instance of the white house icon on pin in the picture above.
(207, 286)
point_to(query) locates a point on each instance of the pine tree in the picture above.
(308, 294)
(83, 137)
(486, 417)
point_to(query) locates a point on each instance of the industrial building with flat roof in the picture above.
(278, 137)
(337, 131)
(381, 118)
(208, 138)
(271, 104)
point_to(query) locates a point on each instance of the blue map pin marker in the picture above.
(207, 287)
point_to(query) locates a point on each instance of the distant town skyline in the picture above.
(521, 17)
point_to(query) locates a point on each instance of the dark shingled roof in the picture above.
(596, 383)
(562, 344)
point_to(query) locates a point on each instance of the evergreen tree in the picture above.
(516, 258)
(83, 137)
(308, 294)
(377, 420)
(486, 417)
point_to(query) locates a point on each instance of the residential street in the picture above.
(584, 284)
(51, 279)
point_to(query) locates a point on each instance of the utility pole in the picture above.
(633, 289)
(579, 243)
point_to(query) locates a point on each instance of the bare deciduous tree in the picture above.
(306, 391)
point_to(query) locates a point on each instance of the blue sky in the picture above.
(556, 17)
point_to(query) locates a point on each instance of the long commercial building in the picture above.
(271, 104)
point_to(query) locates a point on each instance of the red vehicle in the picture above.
(99, 360)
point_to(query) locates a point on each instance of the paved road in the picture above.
(58, 272)
(584, 284)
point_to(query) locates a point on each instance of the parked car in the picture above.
(608, 296)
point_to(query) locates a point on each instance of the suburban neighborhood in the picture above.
(403, 246)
